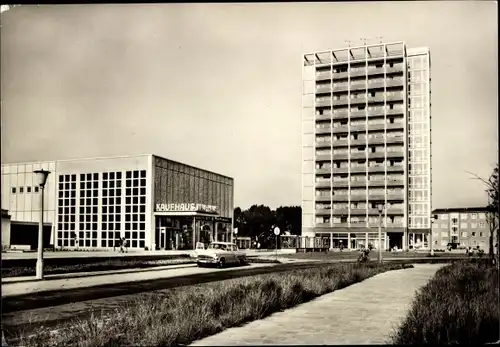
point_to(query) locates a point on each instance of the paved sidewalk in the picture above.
(364, 313)
(20, 288)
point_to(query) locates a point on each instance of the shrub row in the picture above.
(458, 305)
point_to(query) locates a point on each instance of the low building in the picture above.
(152, 202)
(467, 227)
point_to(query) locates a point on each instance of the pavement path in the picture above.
(364, 313)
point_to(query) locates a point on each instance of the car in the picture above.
(220, 254)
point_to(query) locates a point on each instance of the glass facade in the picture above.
(419, 141)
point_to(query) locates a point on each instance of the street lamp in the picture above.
(41, 176)
(380, 208)
(236, 235)
(433, 219)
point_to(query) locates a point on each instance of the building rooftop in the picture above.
(461, 209)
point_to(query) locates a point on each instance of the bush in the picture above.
(183, 315)
(459, 305)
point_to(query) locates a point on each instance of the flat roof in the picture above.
(461, 209)
(115, 157)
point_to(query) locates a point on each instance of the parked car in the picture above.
(220, 254)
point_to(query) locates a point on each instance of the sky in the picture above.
(218, 86)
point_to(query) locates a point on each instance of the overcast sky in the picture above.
(218, 86)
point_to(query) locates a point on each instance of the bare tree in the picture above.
(492, 214)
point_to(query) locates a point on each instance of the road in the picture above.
(48, 308)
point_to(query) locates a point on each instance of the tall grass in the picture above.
(183, 315)
(459, 305)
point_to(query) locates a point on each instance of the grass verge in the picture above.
(111, 264)
(183, 315)
(459, 305)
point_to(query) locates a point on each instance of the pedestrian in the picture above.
(341, 246)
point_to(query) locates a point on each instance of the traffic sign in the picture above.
(276, 231)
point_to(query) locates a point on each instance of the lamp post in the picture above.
(434, 218)
(41, 175)
(236, 236)
(380, 208)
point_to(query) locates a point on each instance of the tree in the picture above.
(492, 214)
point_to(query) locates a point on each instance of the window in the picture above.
(444, 216)
(473, 233)
(13, 190)
(463, 234)
(28, 189)
(463, 225)
(480, 234)
(36, 189)
(21, 190)
(474, 215)
(463, 216)
(482, 224)
(444, 225)
(473, 225)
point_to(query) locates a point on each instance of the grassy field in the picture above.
(107, 265)
(183, 315)
(458, 306)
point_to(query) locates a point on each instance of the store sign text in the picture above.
(185, 208)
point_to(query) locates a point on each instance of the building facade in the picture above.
(366, 141)
(152, 202)
(467, 227)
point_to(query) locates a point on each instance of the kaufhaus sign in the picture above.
(185, 207)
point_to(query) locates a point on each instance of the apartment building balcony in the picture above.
(395, 196)
(340, 184)
(358, 212)
(325, 130)
(394, 69)
(340, 87)
(395, 168)
(359, 142)
(339, 143)
(375, 71)
(395, 211)
(323, 144)
(358, 100)
(376, 196)
(358, 155)
(340, 211)
(323, 117)
(376, 155)
(323, 198)
(341, 130)
(339, 75)
(395, 154)
(377, 183)
(358, 197)
(320, 184)
(340, 156)
(322, 225)
(322, 76)
(358, 169)
(340, 225)
(359, 183)
(399, 139)
(321, 103)
(388, 83)
(395, 183)
(323, 88)
(340, 197)
(395, 97)
(341, 115)
(396, 111)
(323, 157)
(358, 85)
(324, 171)
(323, 212)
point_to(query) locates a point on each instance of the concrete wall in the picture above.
(25, 206)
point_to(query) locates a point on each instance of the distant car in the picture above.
(220, 254)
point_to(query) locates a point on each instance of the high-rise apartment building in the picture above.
(366, 140)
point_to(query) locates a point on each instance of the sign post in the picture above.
(276, 232)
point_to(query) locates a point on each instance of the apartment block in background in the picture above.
(366, 140)
(466, 226)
